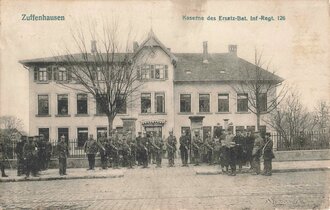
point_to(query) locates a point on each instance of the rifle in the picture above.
(6, 158)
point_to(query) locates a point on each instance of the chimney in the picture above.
(232, 49)
(205, 54)
(135, 46)
(93, 47)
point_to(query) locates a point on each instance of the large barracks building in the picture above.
(180, 91)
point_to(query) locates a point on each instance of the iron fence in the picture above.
(308, 140)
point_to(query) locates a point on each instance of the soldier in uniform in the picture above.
(158, 148)
(209, 147)
(90, 148)
(184, 145)
(41, 152)
(196, 146)
(231, 145)
(224, 153)
(240, 145)
(102, 140)
(114, 152)
(256, 153)
(127, 153)
(249, 139)
(20, 156)
(139, 149)
(171, 148)
(268, 155)
(145, 151)
(30, 152)
(108, 149)
(2, 157)
(63, 152)
(49, 150)
(151, 150)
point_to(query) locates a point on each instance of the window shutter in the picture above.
(35, 73)
(49, 73)
(152, 69)
(69, 70)
(55, 72)
(166, 71)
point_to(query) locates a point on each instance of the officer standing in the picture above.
(63, 152)
(224, 153)
(240, 145)
(158, 147)
(2, 157)
(20, 156)
(196, 145)
(139, 149)
(184, 145)
(102, 144)
(249, 139)
(127, 153)
(268, 155)
(145, 151)
(256, 153)
(151, 149)
(30, 152)
(49, 150)
(90, 149)
(209, 147)
(171, 148)
(133, 147)
(114, 152)
(230, 143)
(42, 152)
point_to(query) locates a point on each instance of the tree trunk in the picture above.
(110, 123)
(258, 122)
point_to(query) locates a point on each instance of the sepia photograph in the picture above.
(164, 104)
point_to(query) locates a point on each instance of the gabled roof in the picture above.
(153, 41)
(220, 67)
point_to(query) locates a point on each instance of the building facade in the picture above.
(176, 87)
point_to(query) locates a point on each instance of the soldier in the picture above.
(49, 150)
(108, 150)
(138, 149)
(224, 153)
(184, 144)
(90, 148)
(256, 153)
(132, 144)
(209, 147)
(158, 148)
(171, 148)
(20, 157)
(127, 153)
(268, 155)
(240, 149)
(114, 152)
(145, 151)
(30, 152)
(151, 150)
(249, 139)
(231, 145)
(196, 144)
(63, 152)
(102, 144)
(41, 152)
(3, 157)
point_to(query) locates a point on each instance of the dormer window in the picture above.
(62, 74)
(153, 72)
(42, 74)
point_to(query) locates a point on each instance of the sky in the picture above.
(296, 48)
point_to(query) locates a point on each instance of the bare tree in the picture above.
(10, 127)
(322, 115)
(260, 87)
(107, 72)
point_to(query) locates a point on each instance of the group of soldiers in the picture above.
(33, 155)
(124, 151)
(244, 148)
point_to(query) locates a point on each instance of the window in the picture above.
(45, 132)
(204, 102)
(42, 74)
(62, 74)
(157, 72)
(263, 102)
(99, 106)
(185, 103)
(145, 103)
(242, 102)
(121, 103)
(100, 130)
(62, 104)
(160, 102)
(82, 134)
(63, 132)
(43, 105)
(223, 102)
(82, 104)
(145, 72)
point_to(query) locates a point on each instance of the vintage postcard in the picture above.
(159, 104)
